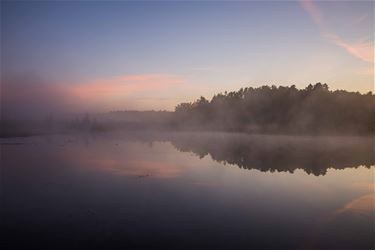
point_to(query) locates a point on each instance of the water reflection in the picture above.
(137, 191)
(313, 155)
(280, 153)
(363, 206)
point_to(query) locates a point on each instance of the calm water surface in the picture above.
(187, 190)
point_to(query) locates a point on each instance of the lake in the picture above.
(187, 190)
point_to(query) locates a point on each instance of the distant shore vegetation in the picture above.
(271, 109)
(263, 110)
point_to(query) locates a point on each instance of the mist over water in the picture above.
(27, 96)
(285, 173)
(187, 125)
(186, 190)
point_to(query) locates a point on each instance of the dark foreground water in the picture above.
(187, 191)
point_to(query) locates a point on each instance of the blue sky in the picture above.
(196, 48)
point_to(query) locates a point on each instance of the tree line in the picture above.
(271, 109)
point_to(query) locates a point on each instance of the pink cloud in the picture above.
(359, 49)
(123, 85)
(313, 10)
(364, 204)
(29, 95)
(118, 92)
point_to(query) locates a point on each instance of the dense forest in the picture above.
(271, 109)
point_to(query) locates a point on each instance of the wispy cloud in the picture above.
(313, 11)
(361, 205)
(360, 49)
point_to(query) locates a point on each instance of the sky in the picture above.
(104, 55)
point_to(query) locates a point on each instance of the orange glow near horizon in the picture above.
(123, 85)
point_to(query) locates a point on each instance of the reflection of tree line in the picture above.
(283, 154)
